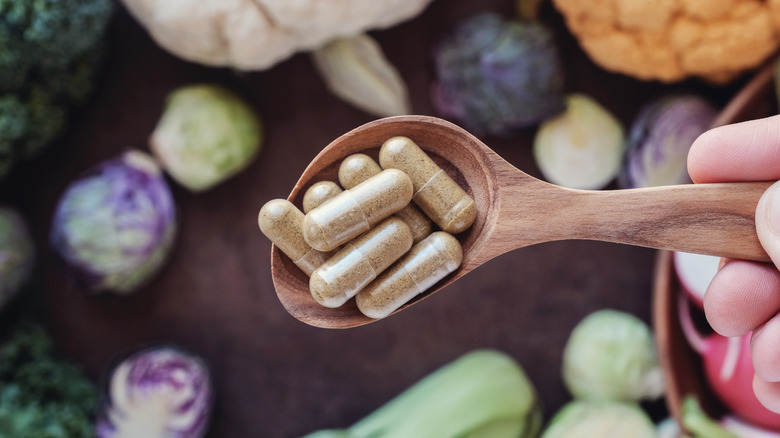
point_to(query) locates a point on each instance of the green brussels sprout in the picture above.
(115, 226)
(206, 135)
(612, 355)
(17, 253)
(600, 418)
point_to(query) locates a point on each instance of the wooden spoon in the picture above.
(517, 210)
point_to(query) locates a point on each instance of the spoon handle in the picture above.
(714, 219)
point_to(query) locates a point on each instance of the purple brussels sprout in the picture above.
(160, 392)
(17, 253)
(661, 136)
(496, 76)
(115, 226)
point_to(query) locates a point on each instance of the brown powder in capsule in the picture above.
(454, 209)
(418, 222)
(438, 195)
(383, 194)
(356, 210)
(423, 266)
(359, 167)
(403, 154)
(318, 193)
(359, 262)
(281, 222)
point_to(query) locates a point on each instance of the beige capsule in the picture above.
(359, 262)
(357, 168)
(318, 193)
(281, 222)
(438, 195)
(355, 211)
(423, 266)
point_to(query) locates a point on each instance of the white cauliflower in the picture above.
(256, 34)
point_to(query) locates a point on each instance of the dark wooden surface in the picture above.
(275, 376)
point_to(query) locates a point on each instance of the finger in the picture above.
(742, 296)
(768, 393)
(764, 349)
(768, 222)
(747, 151)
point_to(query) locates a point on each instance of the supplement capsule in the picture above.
(281, 222)
(359, 262)
(318, 193)
(425, 264)
(435, 192)
(359, 167)
(356, 210)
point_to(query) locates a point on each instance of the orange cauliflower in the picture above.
(670, 40)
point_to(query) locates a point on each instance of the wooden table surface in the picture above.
(275, 376)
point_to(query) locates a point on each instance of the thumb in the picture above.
(768, 222)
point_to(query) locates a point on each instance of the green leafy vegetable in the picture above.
(49, 53)
(697, 422)
(482, 394)
(42, 396)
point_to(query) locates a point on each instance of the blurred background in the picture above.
(272, 375)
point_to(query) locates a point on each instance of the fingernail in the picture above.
(771, 208)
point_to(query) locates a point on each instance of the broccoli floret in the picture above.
(52, 32)
(13, 71)
(27, 126)
(50, 51)
(42, 396)
(13, 120)
(45, 120)
(75, 83)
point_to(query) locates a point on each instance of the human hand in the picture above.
(745, 296)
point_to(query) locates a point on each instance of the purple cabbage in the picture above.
(162, 392)
(661, 136)
(115, 226)
(496, 76)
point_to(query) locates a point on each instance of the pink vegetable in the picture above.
(695, 272)
(728, 368)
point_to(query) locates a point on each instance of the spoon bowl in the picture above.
(516, 210)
